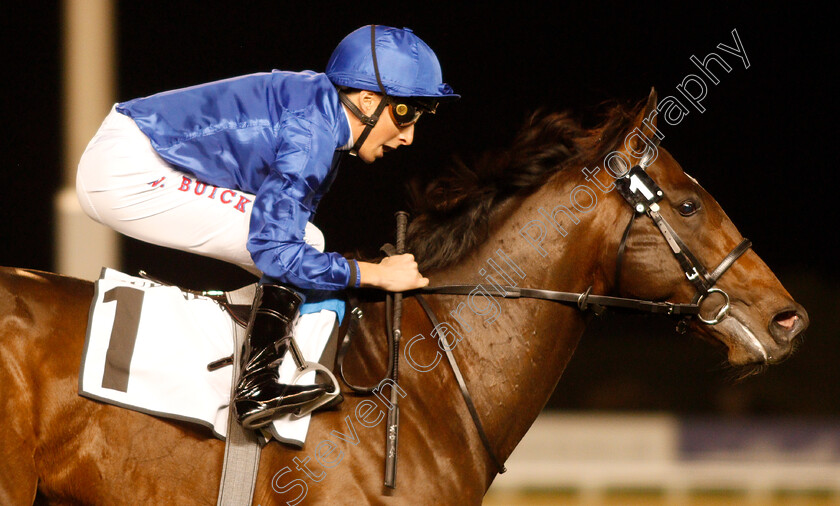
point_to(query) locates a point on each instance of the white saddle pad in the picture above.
(148, 346)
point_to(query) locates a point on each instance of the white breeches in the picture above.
(124, 184)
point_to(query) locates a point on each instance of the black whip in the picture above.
(393, 426)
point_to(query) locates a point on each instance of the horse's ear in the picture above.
(647, 120)
(643, 139)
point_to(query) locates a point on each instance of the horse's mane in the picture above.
(453, 211)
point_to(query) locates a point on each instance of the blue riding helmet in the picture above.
(395, 63)
(406, 66)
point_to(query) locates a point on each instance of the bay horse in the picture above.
(59, 448)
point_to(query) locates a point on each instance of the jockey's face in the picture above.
(385, 136)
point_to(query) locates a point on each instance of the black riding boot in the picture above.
(259, 397)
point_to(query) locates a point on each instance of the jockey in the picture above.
(234, 170)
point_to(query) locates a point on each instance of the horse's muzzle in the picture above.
(787, 324)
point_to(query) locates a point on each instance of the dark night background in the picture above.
(763, 148)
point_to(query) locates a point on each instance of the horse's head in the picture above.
(764, 324)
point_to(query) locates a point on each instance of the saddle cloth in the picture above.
(148, 346)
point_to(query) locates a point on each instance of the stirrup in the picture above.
(325, 399)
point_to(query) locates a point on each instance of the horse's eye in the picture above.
(688, 208)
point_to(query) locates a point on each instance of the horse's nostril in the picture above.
(787, 326)
(786, 319)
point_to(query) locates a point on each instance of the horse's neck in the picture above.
(514, 355)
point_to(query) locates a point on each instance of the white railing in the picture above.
(596, 453)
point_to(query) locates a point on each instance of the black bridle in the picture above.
(643, 195)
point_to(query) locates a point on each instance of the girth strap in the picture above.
(465, 393)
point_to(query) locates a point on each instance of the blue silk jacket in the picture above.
(276, 135)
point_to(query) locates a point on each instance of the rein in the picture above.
(643, 195)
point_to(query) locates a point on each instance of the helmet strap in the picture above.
(368, 121)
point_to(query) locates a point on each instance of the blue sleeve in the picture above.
(283, 205)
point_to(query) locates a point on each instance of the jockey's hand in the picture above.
(396, 273)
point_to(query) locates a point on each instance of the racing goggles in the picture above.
(406, 112)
